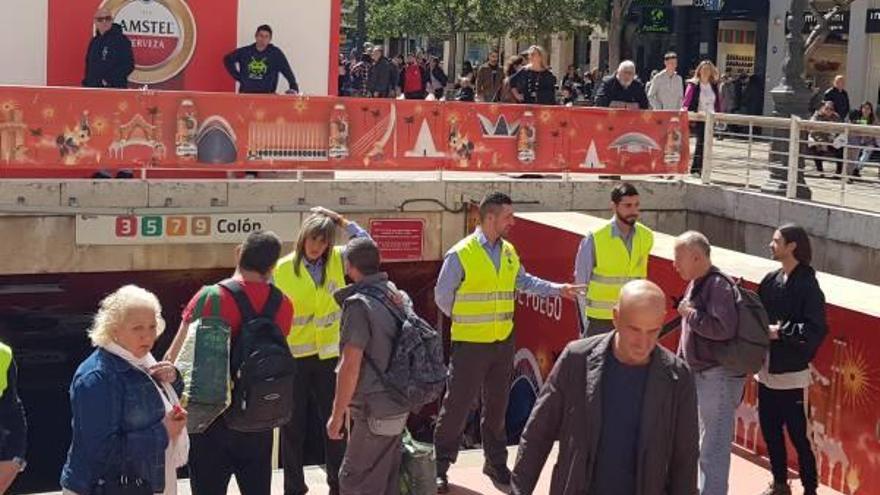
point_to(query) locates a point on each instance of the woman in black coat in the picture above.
(535, 83)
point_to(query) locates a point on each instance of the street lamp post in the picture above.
(790, 97)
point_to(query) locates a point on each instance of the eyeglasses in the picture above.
(103, 19)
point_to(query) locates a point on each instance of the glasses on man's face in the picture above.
(103, 19)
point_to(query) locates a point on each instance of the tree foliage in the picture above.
(537, 18)
(520, 18)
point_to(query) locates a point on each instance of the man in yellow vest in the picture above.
(476, 289)
(610, 257)
(309, 276)
(13, 427)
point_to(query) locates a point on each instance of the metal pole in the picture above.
(794, 146)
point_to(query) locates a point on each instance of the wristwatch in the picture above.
(20, 462)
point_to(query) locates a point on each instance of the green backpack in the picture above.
(203, 363)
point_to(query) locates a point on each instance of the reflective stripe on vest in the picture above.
(485, 300)
(614, 267)
(315, 327)
(5, 363)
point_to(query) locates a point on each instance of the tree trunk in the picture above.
(619, 9)
(451, 63)
(361, 29)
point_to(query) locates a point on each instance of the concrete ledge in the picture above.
(170, 194)
(38, 212)
(18, 193)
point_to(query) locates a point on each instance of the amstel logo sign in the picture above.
(162, 34)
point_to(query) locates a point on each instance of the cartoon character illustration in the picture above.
(461, 147)
(338, 133)
(72, 143)
(257, 68)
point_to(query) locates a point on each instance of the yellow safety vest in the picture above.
(5, 363)
(484, 302)
(316, 315)
(615, 266)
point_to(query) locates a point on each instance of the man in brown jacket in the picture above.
(623, 409)
(490, 76)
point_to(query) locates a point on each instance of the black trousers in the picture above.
(835, 155)
(475, 369)
(778, 409)
(314, 388)
(218, 453)
(699, 129)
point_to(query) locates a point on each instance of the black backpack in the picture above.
(416, 373)
(262, 367)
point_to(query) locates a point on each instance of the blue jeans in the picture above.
(719, 392)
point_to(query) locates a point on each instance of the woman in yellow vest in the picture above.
(309, 276)
(12, 419)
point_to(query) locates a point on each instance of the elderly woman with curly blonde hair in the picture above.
(129, 432)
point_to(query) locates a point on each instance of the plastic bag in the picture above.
(418, 469)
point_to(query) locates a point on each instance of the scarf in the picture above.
(177, 452)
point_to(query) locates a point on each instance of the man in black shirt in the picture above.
(623, 90)
(109, 59)
(256, 67)
(837, 94)
(796, 307)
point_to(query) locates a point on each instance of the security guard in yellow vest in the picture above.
(13, 427)
(309, 276)
(476, 288)
(610, 257)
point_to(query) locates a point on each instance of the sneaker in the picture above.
(442, 482)
(499, 475)
(777, 489)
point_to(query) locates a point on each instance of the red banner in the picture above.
(843, 396)
(66, 128)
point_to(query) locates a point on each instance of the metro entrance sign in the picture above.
(181, 229)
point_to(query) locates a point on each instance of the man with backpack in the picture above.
(377, 414)
(709, 317)
(259, 317)
(413, 79)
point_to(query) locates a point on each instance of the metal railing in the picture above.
(828, 162)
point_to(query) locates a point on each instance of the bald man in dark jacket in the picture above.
(623, 410)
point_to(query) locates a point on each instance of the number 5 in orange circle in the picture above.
(175, 226)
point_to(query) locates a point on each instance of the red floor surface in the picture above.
(466, 478)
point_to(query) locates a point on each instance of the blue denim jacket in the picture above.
(116, 408)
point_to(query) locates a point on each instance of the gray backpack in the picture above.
(416, 372)
(746, 352)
